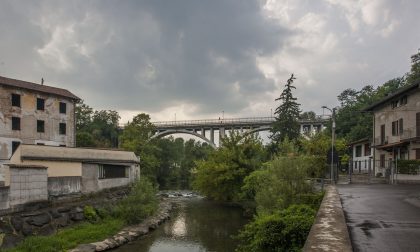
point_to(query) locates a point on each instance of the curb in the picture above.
(329, 231)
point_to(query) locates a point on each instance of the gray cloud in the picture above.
(207, 56)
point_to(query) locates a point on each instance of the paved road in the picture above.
(382, 217)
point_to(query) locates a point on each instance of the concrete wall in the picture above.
(92, 183)
(27, 185)
(89, 178)
(58, 186)
(29, 116)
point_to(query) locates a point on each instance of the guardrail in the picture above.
(409, 133)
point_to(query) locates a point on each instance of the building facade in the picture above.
(362, 156)
(396, 127)
(37, 114)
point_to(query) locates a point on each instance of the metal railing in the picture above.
(381, 140)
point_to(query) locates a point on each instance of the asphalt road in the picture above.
(382, 217)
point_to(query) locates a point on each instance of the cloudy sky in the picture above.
(198, 58)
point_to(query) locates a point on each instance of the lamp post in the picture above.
(332, 140)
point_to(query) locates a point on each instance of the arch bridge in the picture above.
(204, 129)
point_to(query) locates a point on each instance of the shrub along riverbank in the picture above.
(278, 192)
(102, 223)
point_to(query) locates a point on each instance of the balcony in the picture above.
(410, 133)
(381, 140)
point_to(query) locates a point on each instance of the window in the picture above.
(394, 104)
(63, 107)
(15, 123)
(16, 100)
(40, 104)
(112, 171)
(358, 151)
(395, 128)
(367, 149)
(403, 100)
(400, 126)
(40, 126)
(62, 129)
(15, 145)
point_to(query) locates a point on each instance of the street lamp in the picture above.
(332, 140)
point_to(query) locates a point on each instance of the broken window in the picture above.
(40, 104)
(16, 100)
(63, 107)
(15, 123)
(40, 126)
(62, 129)
(112, 171)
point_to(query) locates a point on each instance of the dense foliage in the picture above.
(284, 230)
(139, 204)
(221, 176)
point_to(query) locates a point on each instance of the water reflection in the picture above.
(196, 225)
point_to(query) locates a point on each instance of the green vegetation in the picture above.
(139, 204)
(101, 223)
(284, 230)
(408, 167)
(71, 237)
(221, 176)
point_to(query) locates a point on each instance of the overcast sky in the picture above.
(198, 58)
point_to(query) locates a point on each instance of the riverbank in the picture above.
(129, 233)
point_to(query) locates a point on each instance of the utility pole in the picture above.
(332, 142)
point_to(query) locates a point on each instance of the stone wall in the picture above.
(45, 218)
(59, 186)
(27, 184)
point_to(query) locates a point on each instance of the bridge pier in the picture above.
(221, 135)
(212, 135)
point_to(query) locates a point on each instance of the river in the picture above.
(196, 225)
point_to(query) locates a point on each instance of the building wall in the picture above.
(27, 185)
(361, 162)
(92, 183)
(58, 186)
(29, 115)
(386, 115)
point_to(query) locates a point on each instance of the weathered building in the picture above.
(396, 127)
(362, 155)
(32, 113)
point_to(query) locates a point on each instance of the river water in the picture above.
(196, 225)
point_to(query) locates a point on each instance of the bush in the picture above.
(139, 204)
(285, 230)
(408, 167)
(90, 213)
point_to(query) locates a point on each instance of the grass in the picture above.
(71, 237)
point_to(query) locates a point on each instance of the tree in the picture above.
(286, 115)
(414, 75)
(136, 138)
(308, 115)
(221, 176)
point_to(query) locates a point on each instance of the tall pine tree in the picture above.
(286, 115)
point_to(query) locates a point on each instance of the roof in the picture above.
(37, 87)
(399, 92)
(363, 140)
(85, 155)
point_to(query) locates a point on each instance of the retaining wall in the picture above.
(329, 231)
